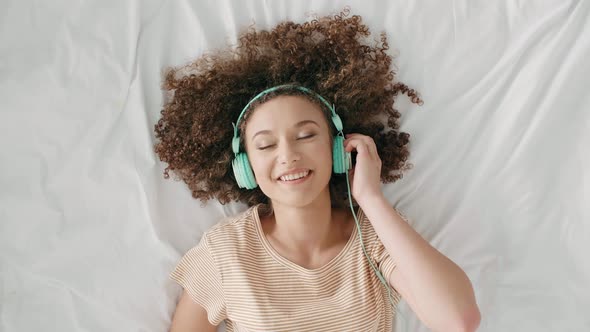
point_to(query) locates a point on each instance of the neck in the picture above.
(309, 228)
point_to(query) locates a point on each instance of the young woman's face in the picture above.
(290, 135)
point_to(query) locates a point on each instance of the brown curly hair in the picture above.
(327, 55)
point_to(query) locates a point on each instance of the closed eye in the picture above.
(270, 146)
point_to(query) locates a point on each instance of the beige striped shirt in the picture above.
(237, 276)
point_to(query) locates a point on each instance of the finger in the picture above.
(368, 142)
(356, 144)
(367, 139)
(373, 148)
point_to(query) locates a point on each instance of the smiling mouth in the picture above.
(294, 180)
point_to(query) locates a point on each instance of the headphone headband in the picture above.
(335, 118)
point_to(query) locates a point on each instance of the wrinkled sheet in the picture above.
(90, 229)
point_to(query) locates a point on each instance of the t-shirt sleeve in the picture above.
(381, 257)
(198, 274)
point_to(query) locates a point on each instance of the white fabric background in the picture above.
(89, 229)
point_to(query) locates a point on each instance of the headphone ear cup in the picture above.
(243, 172)
(341, 159)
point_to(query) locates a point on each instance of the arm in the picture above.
(190, 316)
(436, 289)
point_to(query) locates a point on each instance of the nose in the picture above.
(288, 154)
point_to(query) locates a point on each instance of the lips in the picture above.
(296, 182)
(294, 172)
(294, 177)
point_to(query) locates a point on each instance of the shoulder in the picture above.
(236, 223)
(232, 232)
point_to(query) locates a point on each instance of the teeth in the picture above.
(292, 177)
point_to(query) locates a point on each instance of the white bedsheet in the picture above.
(89, 229)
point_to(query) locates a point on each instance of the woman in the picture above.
(301, 258)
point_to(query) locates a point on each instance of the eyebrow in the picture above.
(297, 125)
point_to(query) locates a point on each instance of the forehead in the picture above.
(283, 112)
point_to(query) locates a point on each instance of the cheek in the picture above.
(323, 165)
(325, 150)
(259, 165)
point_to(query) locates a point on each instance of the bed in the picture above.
(90, 229)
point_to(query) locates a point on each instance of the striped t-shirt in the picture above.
(238, 277)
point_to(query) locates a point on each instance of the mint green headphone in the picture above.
(241, 165)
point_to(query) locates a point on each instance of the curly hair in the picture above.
(328, 55)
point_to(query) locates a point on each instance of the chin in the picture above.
(298, 200)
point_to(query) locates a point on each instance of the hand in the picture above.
(365, 176)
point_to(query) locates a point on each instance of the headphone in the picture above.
(341, 160)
